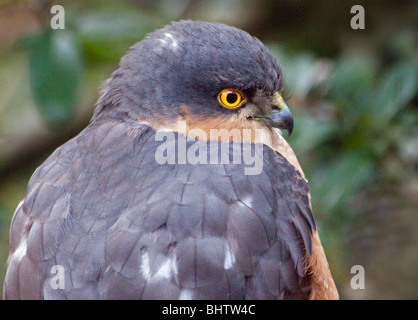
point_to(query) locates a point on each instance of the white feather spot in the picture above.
(20, 252)
(186, 294)
(173, 265)
(173, 42)
(165, 271)
(19, 205)
(229, 260)
(248, 201)
(168, 41)
(145, 267)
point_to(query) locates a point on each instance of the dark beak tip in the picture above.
(283, 120)
(290, 128)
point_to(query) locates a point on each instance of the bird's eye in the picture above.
(231, 98)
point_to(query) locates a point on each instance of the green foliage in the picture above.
(55, 72)
(362, 112)
(58, 58)
(105, 35)
(356, 115)
(396, 89)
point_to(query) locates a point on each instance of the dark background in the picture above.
(353, 94)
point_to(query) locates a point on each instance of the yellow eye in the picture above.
(231, 98)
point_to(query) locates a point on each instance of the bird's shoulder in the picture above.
(103, 200)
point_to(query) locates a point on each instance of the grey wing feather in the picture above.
(124, 227)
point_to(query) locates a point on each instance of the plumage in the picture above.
(123, 226)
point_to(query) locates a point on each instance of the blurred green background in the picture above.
(353, 93)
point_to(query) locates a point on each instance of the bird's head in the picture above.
(211, 76)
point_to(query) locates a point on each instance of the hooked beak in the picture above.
(278, 114)
(282, 119)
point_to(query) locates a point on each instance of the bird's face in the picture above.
(257, 108)
(209, 75)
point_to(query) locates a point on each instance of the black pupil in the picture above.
(232, 97)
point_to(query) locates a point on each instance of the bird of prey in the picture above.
(134, 208)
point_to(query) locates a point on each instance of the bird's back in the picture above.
(121, 226)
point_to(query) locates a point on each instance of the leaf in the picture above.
(337, 180)
(300, 70)
(397, 88)
(404, 44)
(55, 72)
(105, 35)
(351, 85)
(310, 132)
(300, 74)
